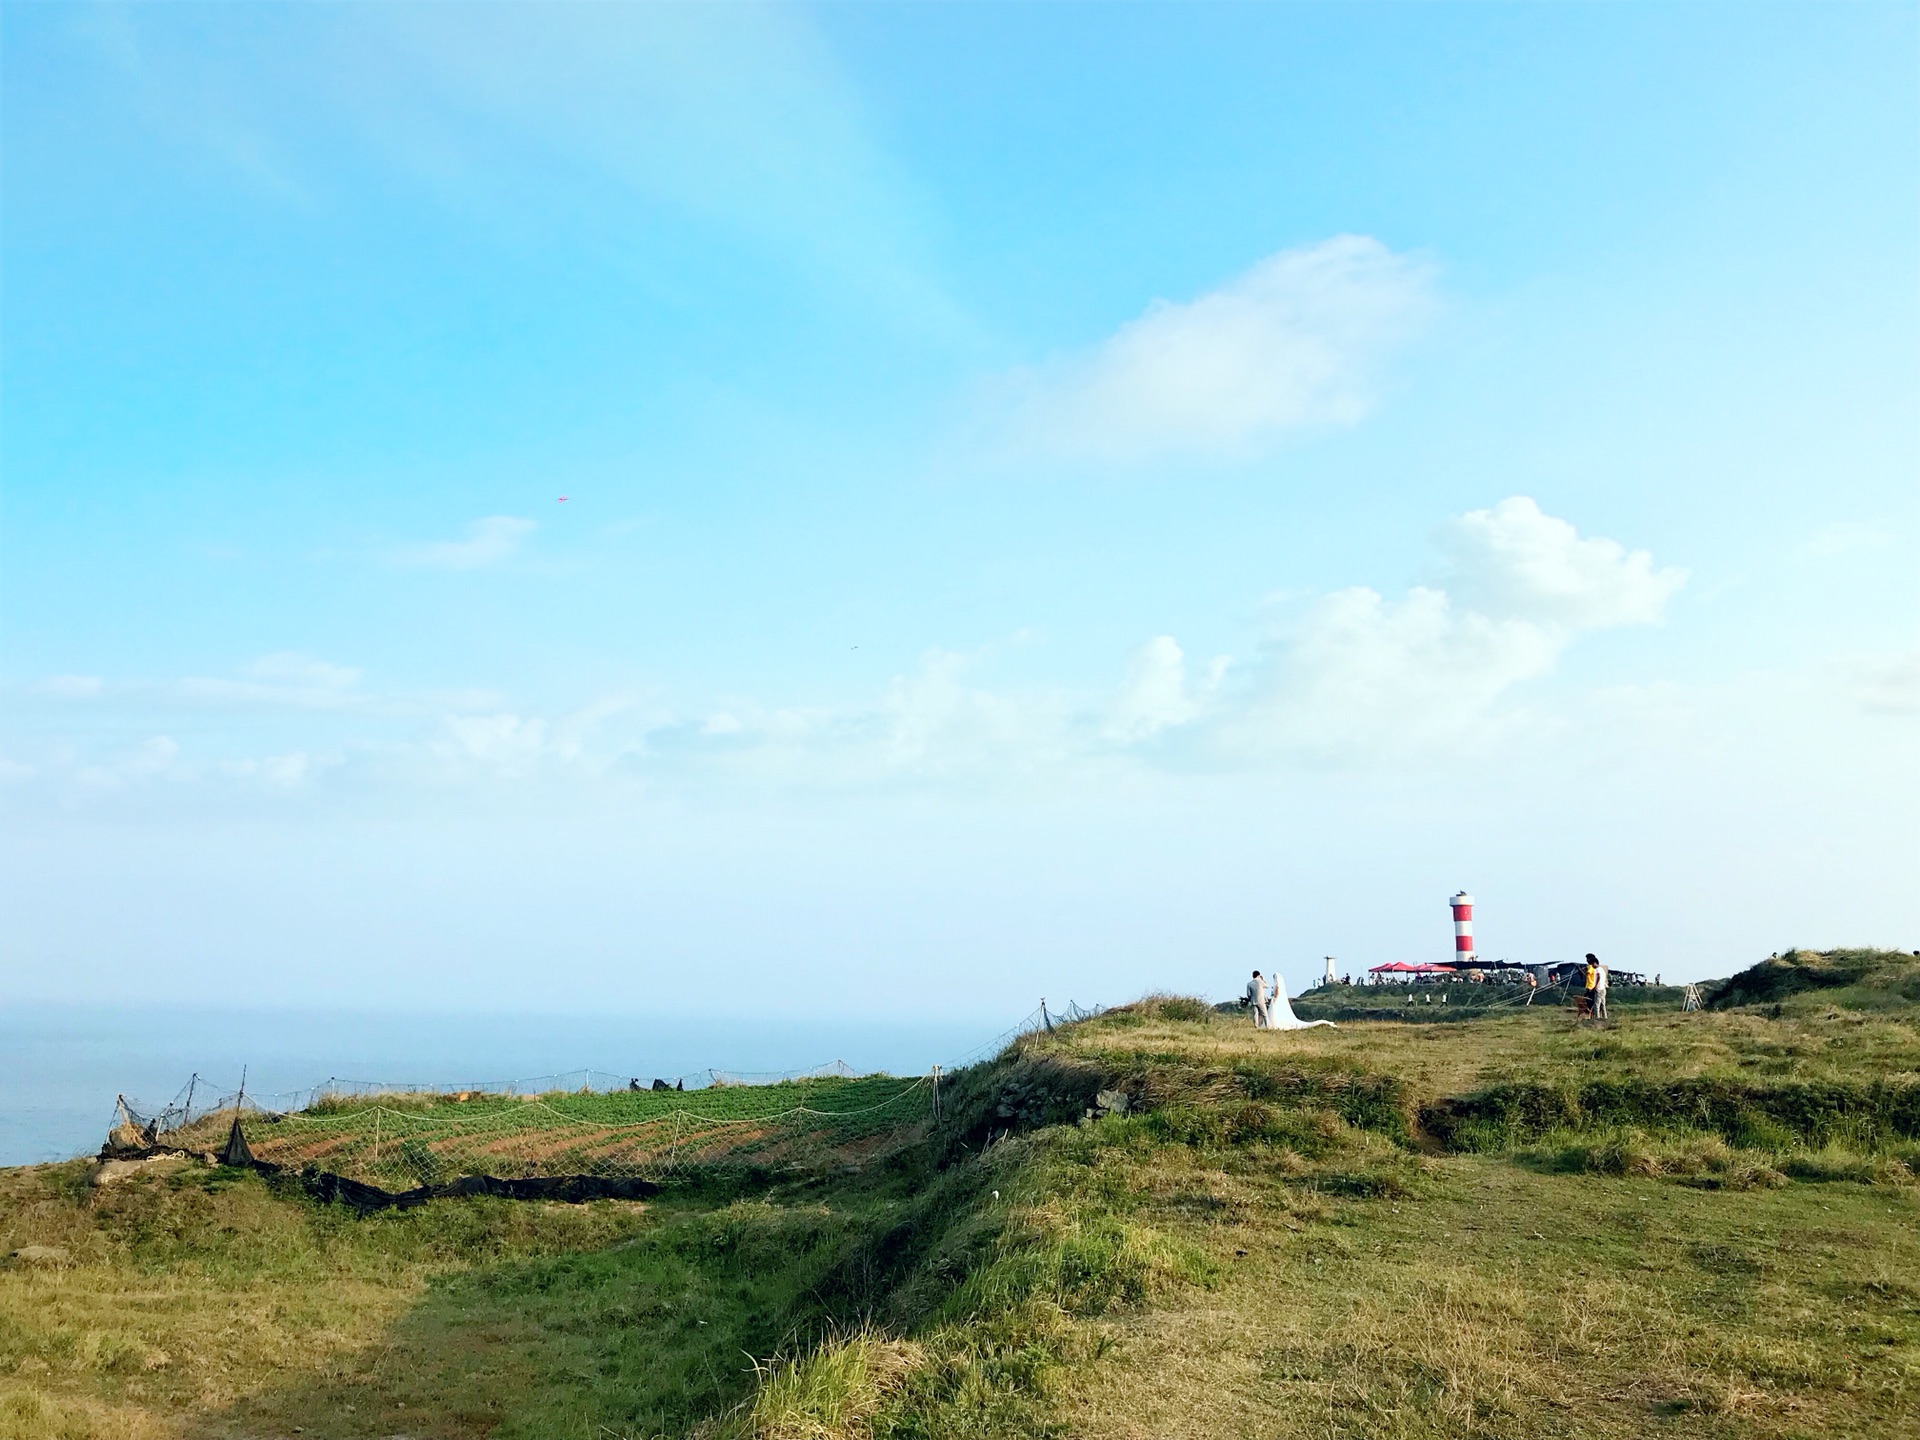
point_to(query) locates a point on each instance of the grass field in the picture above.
(1702, 1224)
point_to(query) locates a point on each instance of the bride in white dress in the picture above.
(1280, 1014)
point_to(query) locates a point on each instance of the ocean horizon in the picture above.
(63, 1065)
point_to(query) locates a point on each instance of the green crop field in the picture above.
(398, 1141)
(1155, 1223)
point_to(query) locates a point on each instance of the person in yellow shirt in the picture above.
(1593, 979)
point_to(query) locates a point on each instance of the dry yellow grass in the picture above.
(1507, 1303)
(1455, 1058)
(104, 1346)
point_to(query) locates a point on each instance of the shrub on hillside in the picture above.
(1174, 1007)
(1858, 979)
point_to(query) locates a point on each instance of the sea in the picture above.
(62, 1067)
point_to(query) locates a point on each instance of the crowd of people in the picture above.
(1271, 1010)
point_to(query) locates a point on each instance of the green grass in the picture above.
(1507, 1301)
(1696, 1224)
(730, 1102)
(225, 1307)
(1808, 981)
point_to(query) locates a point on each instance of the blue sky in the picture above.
(1060, 500)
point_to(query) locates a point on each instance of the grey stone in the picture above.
(41, 1255)
(112, 1172)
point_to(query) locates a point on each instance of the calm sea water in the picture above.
(61, 1066)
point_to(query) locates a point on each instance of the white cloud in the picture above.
(71, 687)
(1847, 537)
(531, 117)
(1356, 678)
(1153, 696)
(154, 756)
(113, 769)
(511, 744)
(1885, 685)
(148, 760)
(1293, 342)
(743, 121)
(934, 721)
(290, 667)
(286, 772)
(1363, 675)
(1516, 561)
(180, 96)
(285, 678)
(488, 541)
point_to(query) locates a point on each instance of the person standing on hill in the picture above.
(1257, 1000)
(1592, 979)
(1599, 992)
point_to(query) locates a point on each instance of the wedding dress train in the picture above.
(1280, 1014)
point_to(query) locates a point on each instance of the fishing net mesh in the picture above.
(606, 1126)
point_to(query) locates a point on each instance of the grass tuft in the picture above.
(832, 1392)
(1186, 1009)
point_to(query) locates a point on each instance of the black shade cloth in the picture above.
(236, 1152)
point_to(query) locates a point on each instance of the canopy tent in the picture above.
(1400, 967)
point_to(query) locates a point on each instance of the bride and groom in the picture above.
(1271, 1008)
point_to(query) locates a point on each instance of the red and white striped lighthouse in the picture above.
(1462, 926)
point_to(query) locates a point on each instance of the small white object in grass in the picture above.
(996, 1194)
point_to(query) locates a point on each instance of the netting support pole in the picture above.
(936, 1094)
(1045, 1019)
(186, 1117)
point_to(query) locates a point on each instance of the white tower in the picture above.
(1329, 979)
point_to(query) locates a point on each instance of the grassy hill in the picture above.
(1155, 1223)
(1805, 980)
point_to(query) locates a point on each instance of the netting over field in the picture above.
(401, 1137)
(398, 1141)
